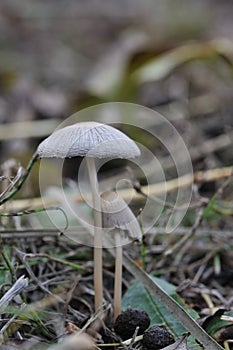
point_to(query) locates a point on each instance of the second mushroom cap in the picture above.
(117, 215)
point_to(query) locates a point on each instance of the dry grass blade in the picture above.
(16, 289)
(37, 128)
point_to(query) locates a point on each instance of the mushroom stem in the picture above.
(98, 267)
(118, 276)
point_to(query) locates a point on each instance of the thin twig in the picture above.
(186, 238)
(18, 234)
(58, 260)
(22, 257)
(34, 211)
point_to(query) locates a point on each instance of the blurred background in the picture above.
(58, 57)
(174, 56)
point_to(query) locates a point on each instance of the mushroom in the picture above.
(118, 218)
(90, 140)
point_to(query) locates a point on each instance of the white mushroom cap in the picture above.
(117, 215)
(88, 139)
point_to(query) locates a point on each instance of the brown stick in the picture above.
(155, 189)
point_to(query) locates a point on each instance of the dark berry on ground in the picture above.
(156, 338)
(126, 323)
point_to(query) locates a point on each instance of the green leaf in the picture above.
(209, 209)
(2, 275)
(138, 296)
(160, 66)
(218, 328)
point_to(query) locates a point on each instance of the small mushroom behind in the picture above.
(121, 226)
(90, 140)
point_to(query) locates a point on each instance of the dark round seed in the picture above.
(126, 323)
(156, 338)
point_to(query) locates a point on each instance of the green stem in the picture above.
(8, 264)
(38, 210)
(22, 180)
